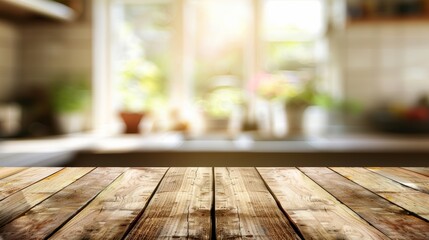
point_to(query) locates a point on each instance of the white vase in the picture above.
(295, 120)
(71, 122)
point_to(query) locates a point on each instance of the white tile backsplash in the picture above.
(389, 84)
(362, 87)
(414, 56)
(32, 54)
(390, 59)
(49, 50)
(360, 59)
(393, 60)
(8, 57)
(9, 48)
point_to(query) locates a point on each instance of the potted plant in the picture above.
(140, 91)
(342, 113)
(220, 102)
(295, 94)
(70, 98)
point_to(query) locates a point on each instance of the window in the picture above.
(291, 34)
(141, 49)
(188, 51)
(218, 32)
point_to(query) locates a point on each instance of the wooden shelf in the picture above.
(390, 20)
(47, 8)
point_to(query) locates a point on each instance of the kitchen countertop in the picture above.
(13, 152)
(177, 142)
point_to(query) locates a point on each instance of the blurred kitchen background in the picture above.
(272, 69)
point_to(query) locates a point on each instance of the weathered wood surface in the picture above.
(110, 214)
(219, 203)
(317, 213)
(22, 201)
(8, 171)
(16, 182)
(245, 209)
(423, 171)
(405, 197)
(405, 177)
(180, 208)
(387, 217)
(42, 220)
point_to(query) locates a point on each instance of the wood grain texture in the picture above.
(317, 213)
(405, 177)
(16, 182)
(110, 214)
(8, 171)
(405, 197)
(245, 209)
(180, 208)
(390, 219)
(45, 218)
(423, 171)
(20, 202)
(148, 203)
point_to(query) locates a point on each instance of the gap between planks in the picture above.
(238, 181)
(318, 214)
(387, 217)
(24, 200)
(74, 197)
(412, 200)
(117, 206)
(180, 208)
(245, 209)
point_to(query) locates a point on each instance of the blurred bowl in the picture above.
(388, 122)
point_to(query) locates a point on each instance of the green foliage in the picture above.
(70, 94)
(290, 55)
(221, 102)
(326, 101)
(139, 86)
(305, 96)
(276, 87)
(311, 96)
(279, 88)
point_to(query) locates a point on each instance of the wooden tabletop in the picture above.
(214, 203)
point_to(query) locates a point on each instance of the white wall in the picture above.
(9, 54)
(386, 61)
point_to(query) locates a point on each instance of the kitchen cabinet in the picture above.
(24, 9)
(396, 11)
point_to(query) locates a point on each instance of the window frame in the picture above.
(179, 90)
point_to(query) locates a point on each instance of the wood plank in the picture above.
(405, 197)
(390, 219)
(245, 209)
(408, 178)
(21, 180)
(423, 171)
(180, 208)
(20, 202)
(110, 214)
(317, 213)
(8, 171)
(42, 220)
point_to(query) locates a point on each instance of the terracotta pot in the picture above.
(131, 121)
